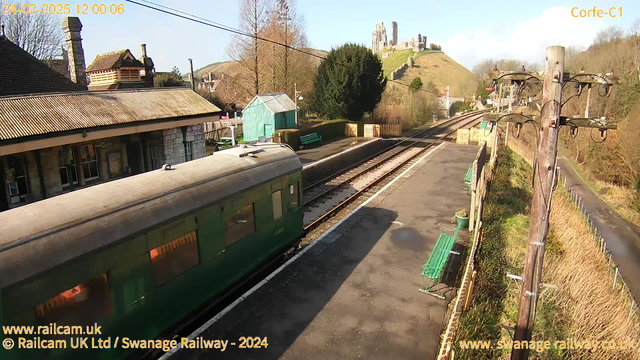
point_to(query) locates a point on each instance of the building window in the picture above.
(83, 304)
(64, 174)
(89, 162)
(174, 257)
(188, 149)
(293, 196)
(276, 201)
(17, 180)
(240, 225)
(157, 157)
(114, 162)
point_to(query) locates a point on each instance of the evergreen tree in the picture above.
(348, 83)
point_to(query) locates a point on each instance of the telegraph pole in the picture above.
(543, 188)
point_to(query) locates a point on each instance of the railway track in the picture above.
(371, 174)
(323, 199)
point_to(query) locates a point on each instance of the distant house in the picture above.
(267, 113)
(56, 137)
(121, 70)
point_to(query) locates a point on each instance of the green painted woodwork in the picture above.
(258, 120)
(434, 266)
(310, 139)
(142, 310)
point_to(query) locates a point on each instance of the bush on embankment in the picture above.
(585, 307)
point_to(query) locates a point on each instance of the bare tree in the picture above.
(634, 37)
(38, 34)
(246, 50)
(608, 35)
(285, 67)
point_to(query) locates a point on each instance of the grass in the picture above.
(395, 60)
(585, 307)
(621, 199)
(434, 66)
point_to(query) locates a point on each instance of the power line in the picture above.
(203, 21)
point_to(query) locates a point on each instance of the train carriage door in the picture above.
(293, 193)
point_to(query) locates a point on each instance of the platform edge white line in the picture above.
(229, 307)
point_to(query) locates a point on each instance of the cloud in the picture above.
(527, 40)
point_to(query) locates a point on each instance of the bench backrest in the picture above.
(310, 136)
(440, 254)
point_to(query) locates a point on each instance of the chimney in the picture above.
(149, 68)
(72, 27)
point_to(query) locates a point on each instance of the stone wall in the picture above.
(399, 72)
(174, 148)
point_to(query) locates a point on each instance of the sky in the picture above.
(468, 31)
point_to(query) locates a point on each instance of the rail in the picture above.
(422, 133)
(348, 200)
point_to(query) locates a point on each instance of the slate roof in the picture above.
(277, 102)
(114, 60)
(21, 73)
(23, 116)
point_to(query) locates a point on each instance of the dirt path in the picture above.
(622, 237)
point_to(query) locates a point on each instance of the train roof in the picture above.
(39, 236)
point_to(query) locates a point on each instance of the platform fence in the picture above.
(483, 172)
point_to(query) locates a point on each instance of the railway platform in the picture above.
(353, 293)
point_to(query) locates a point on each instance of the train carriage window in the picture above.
(174, 257)
(240, 225)
(293, 196)
(83, 304)
(276, 201)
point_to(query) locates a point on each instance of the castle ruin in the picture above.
(379, 38)
(379, 41)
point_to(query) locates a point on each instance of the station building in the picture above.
(56, 136)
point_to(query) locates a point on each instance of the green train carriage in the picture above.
(139, 254)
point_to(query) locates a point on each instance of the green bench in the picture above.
(467, 179)
(310, 139)
(434, 267)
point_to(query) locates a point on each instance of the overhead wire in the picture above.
(203, 21)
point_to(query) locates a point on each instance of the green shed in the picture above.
(267, 113)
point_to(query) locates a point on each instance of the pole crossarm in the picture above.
(592, 79)
(593, 122)
(509, 118)
(516, 75)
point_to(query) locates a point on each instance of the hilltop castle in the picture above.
(379, 40)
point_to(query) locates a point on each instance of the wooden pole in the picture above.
(541, 206)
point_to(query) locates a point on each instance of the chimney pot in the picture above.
(144, 49)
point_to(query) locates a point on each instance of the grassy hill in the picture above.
(433, 66)
(232, 68)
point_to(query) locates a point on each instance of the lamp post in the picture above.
(297, 97)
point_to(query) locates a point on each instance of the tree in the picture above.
(246, 50)
(416, 84)
(608, 35)
(38, 34)
(174, 78)
(282, 67)
(349, 82)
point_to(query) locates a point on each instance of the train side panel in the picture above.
(140, 307)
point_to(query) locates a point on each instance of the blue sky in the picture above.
(469, 31)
